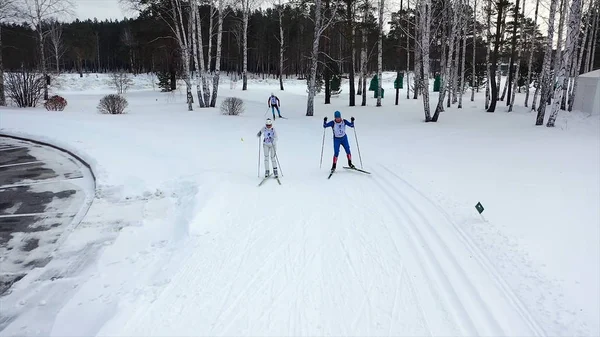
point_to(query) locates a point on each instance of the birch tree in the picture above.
(490, 76)
(473, 75)
(380, 53)
(246, 7)
(511, 98)
(56, 41)
(6, 11)
(588, 58)
(195, 25)
(363, 53)
(531, 51)
(320, 26)
(281, 45)
(461, 84)
(565, 65)
(545, 74)
(513, 50)
(447, 75)
(217, 73)
(425, 28)
(580, 55)
(596, 32)
(35, 13)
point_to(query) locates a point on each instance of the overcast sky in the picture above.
(100, 9)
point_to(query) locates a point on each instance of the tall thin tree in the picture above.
(545, 74)
(586, 30)
(565, 65)
(531, 51)
(513, 51)
(380, 52)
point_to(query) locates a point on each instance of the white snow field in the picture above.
(180, 240)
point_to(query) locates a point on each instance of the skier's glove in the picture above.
(258, 134)
(325, 119)
(352, 119)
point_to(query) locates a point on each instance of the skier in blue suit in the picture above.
(338, 125)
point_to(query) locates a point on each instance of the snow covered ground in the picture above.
(181, 241)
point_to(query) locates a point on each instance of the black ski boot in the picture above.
(333, 167)
(275, 172)
(350, 164)
(267, 174)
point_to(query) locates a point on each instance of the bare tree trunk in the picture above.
(494, 61)
(363, 57)
(281, 45)
(457, 53)
(446, 78)
(531, 52)
(595, 39)
(310, 106)
(558, 55)
(246, 14)
(185, 49)
(197, 52)
(408, 52)
(546, 78)
(42, 59)
(473, 70)
(580, 57)
(588, 58)
(490, 76)
(511, 97)
(380, 53)
(417, 62)
(2, 94)
(217, 74)
(55, 34)
(513, 48)
(211, 11)
(461, 84)
(425, 26)
(350, 31)
(572, 33)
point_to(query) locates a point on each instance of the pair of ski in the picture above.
(266, 178)
(349, 168)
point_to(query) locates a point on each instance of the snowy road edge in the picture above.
(88, 171)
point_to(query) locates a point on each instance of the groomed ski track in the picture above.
(370, 256)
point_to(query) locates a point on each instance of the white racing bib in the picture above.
(269, 135)
(339, 129)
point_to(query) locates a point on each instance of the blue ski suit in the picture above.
(339, 137)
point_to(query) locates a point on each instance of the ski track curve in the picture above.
(494, 307)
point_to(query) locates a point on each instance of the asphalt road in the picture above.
(42, 189)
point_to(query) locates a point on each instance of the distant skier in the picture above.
(274, 103)
(269, 146)
(339, 137)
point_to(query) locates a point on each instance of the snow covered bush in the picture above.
(25, 88)
(232, 106)
(121, 82)
(112, 104)
(55, 103)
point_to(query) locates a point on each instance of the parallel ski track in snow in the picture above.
(387, 262)
(470, 307)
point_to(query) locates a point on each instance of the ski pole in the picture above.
(278, 164)
(322, 146)
(259, 156)
(358, 148)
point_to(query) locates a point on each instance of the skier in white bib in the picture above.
(269, 146)
(339, 137)
(274, 103)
